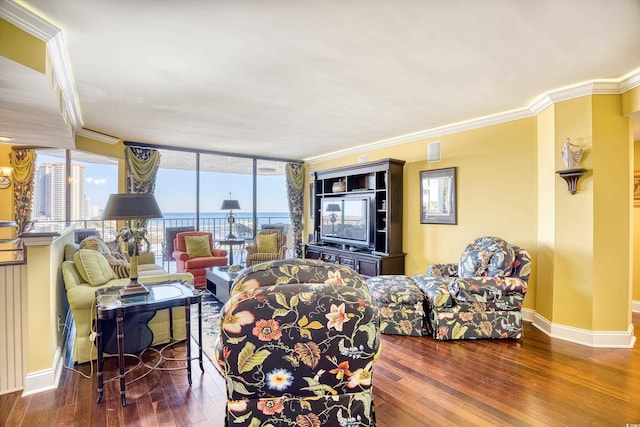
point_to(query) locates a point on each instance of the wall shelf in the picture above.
(571, 176)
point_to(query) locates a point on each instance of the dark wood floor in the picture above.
(538, 381)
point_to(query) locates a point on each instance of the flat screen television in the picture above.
(345, 220)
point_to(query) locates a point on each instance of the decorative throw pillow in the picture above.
(116, 251)
(94, 243)
(198, 246)
(119, 266)
(93, 267)
(487, 257)
(267, 243)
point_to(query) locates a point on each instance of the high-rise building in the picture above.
(50, 192)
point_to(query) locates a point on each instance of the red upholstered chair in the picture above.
(196, 266)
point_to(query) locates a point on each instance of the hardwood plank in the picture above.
(537, 381)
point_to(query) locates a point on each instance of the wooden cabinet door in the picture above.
(367, 267)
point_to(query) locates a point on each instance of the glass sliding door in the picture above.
(176, 195)
(271, 196)
(224, 178)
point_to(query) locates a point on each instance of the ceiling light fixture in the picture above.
(6, 138)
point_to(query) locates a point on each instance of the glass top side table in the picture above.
(164, 295)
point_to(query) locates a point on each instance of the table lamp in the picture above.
(333, 208)
(132, 206)
(230, 205)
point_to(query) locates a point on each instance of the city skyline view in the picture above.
(92, 183)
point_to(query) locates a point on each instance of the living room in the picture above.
(584, 245)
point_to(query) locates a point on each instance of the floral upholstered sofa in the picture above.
(298, 342)
(481, 296)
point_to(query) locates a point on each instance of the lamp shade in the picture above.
(131, 206)
(333, 207)
(230, 204)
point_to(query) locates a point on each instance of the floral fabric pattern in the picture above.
(481, 306)
(442, 270)
(295, 192)
(298, 342)
(487, 257)
(294, 270)
(23, 162)
(400, 302)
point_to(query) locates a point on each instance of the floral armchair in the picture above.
(297, 345)
(481, 296)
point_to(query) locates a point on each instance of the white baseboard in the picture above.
(528, 315)
(605, 339)
(635, 306)
(47, 379)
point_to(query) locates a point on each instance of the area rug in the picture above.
(211, 307)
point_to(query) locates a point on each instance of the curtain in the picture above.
(295, 192)
(23, 163)
(142, 169)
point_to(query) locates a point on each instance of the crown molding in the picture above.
(27, 20)
(630, 81)
(63, 77)
(97, 136)
(593, 87)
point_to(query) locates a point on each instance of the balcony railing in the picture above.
(156, 231)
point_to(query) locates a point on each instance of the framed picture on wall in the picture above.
(438, 196)
(636, 188)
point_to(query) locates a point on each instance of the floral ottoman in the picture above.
(400, 302)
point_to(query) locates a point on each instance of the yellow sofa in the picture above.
(81, 297)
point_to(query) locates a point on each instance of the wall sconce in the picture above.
(5, 176)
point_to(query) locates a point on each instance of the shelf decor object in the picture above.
(229, 205)
(571, 155)
(339, 186)
(128, 207)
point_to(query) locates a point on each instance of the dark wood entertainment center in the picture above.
(379, 185)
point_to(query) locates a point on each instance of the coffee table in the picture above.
(219, 282)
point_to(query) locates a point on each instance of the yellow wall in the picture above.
(6, 196)
(22, 47)
(547, 188)
(636, 231)
(573, 246)
(496, 192)
(508, 186)
(612, 191)
(46, 301)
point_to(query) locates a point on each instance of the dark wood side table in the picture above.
(165, 295)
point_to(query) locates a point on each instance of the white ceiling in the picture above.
(296, 79)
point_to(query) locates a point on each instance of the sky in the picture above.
(175, 189)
